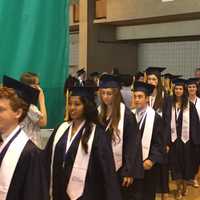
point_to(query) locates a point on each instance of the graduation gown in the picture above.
(183, 156)
(101, 181)
(28, 181)
(146, 188)
(132, 150)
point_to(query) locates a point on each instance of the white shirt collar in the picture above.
(8, 136)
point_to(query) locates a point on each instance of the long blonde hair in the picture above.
(115, 115)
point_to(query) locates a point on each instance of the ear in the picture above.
(19, 113)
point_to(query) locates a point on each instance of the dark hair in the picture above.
(91, 117)
(15, 101)
(159, 97)
(184, 97)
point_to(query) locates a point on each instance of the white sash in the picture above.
(76, 184)
(10, 161)
(61, 130)
(117, 145)
(185, 125)
(148, 131)
(197, 105)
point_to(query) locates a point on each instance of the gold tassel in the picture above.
(66, 106)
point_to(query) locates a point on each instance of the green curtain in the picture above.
(34, 37)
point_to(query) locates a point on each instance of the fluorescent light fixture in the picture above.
(166, 0)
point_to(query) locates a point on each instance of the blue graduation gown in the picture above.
(29, 181)
(101, 181)
(146, 188)
(132, 165)
(183, 156)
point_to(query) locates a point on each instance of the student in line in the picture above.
(122, 129)
(79, 157)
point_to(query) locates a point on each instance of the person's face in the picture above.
(197, 74)
(8, 117)
(152, 79)
(140, 99)
(141, 79)
(178, 90)
(192, 89)
(107, 95)
(75, 108)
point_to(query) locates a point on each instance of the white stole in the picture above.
(77, 179)
(76, 183)
(197, 105)
(10, 161)
(117, 145)
(149, 115)
(185, 134)
(61, 130)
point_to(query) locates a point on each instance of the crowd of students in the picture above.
(122, 137)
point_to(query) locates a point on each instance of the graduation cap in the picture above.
(171, 76)
(155, 70)
(26, 92)
(192, 81)
(70, 82)
(109, 81)
(144, 87)
(93, 74)
(126, 79)
(179, 81)
(80, 72)
(86, 91)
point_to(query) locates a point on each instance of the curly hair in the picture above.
(15, 101)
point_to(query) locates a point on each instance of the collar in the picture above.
(10, 135)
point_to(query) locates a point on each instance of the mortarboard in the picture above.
(144, 87)
(93, 74)
(192, 81)
(155, 70)
(109, 81)
(80, 72)
(26, 92)
(171, 76)
(179, 81)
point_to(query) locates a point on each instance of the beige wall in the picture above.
(136, 9)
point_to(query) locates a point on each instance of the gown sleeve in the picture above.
(107, 165)
(132, 149)
(156, 153)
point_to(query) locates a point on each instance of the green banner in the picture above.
(34, 37)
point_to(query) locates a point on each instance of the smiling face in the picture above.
(152, 79)
(76, 108)
(192, 89)
(9, 118)
(179, 90)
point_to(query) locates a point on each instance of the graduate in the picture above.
(167, 82)
(21, 172)
(151, 127)
(122, 129)
(192, 86)
(157, 101)
(184, 136)
(81, 76)
(79, 157)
